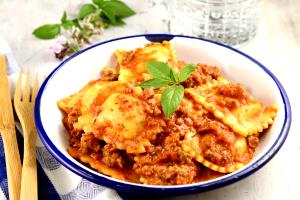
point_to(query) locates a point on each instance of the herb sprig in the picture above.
(91, 20)
(164, 75)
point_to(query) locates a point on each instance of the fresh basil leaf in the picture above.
(160, 70)
(155, 83)
(115, 10)
(110, 14)
(98, 2)
(171, 98)
(118, 8)
(186, 72)
(65, 23)
(48, 31)
(115, 21)
(85, 10)
(68, 24)
(119, 22)
(174, 76)
(64, 17)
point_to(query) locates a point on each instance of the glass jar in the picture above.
(231, 22)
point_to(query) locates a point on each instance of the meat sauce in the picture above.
(164, 162)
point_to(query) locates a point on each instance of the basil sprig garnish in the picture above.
(164, 75)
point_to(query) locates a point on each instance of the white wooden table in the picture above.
(277, 45)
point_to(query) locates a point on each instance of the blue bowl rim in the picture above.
(164, 190)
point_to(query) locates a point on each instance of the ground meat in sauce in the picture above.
(165, 165)
(70, 118)
(253, 141)
(203, 74)
(164, 162)
(218, 154)
(219, 130)
(68, 121)
(109, 74)
(235, 96)
(233, 90)
(89, 144)
(113, 157)
(217, 143)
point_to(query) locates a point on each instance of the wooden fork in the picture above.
(8, 131)
(24, 100)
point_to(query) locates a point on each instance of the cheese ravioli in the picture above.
(217, 147)
(121, 122)
(131, 64)
(234, 106)
(95, 92)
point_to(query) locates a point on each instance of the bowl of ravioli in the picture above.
(95, 118)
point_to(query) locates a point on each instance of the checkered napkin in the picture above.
(54, 180)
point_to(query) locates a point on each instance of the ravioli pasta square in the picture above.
(234, 106)
(217, 147)
(74, 101)
(86, 103)
(132, 64)
(121, 119)
(95, 92)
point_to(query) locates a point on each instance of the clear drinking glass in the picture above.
(232, 22)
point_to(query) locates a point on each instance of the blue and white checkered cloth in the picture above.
(54, 180)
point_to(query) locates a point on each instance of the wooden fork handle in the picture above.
(13, 162)
(29, 169)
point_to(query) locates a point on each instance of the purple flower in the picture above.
(57, 46)
(61, 39)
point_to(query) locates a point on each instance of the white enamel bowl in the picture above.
(75, 72)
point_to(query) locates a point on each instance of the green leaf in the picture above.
(119, 8)
(171, 98)
(48, 31)
(160, 70)
(86, 10)
(64, 17)
(186, 72)
(174, 76)
(67, 24)
(109, 13)
(155, 83)
(119, 22)
(115, 10)
(98, 2)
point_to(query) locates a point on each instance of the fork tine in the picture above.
(26, 91)
(35, 88)
(18, 89)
